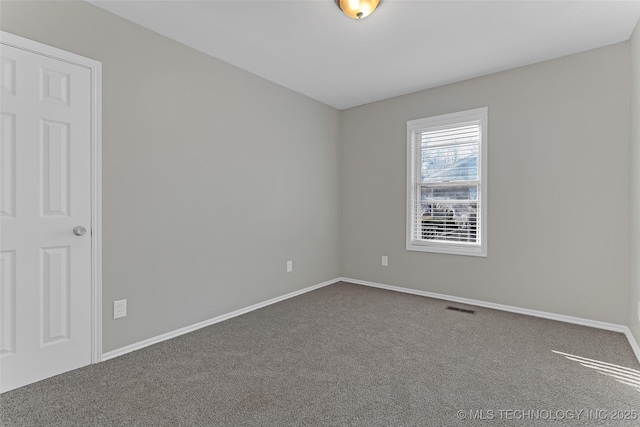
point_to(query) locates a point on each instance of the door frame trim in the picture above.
(95, 68)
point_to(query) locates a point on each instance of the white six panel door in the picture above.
(45, 191)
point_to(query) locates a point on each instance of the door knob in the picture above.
(79, 230)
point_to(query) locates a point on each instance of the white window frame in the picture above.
(413, 177)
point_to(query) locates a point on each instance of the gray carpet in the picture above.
(348, 355)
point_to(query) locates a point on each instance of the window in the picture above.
(447, 183)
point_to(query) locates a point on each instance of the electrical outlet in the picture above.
(385, 261)
(119, 308)
(289, 266)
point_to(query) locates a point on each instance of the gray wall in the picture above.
(634, 299)
(213, 178)
(558, 188)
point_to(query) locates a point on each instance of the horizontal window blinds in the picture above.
(446, 183)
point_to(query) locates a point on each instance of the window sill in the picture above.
(443, 248)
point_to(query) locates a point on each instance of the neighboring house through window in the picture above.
(447, 183)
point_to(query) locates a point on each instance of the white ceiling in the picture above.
(310, 47)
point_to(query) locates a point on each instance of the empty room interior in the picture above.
(352, 212)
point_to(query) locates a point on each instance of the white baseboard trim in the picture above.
(137, 346)
(536, 313)
(632, 342)
(526, 311)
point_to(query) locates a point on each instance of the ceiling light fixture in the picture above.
(357, 9)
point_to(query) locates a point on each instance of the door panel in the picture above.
(8, 165)
(54, 151)
(8, 300)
